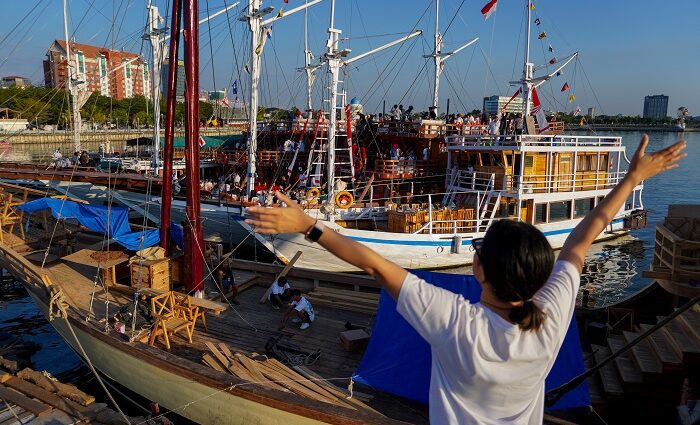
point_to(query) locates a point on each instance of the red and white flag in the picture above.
(202, 142)
(225, 102)
(539, 112)
(489, 9)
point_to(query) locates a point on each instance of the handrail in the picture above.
(552, 396)
(533, 140)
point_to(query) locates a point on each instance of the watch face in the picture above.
(314, 234)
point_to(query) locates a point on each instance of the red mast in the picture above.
(194, 243)
(171, 100)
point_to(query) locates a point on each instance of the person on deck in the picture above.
(226, 282)
(489, 359)
(301, 308)
(280, 292)
(432, 114)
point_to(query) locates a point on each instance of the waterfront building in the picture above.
(180, 87)
(111, 73)
(591, 112)
(14, 81)
(656, 106)
(494, 104)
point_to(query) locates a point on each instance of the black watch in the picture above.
(314, 233)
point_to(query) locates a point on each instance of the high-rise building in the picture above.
(656, 106)
(180, 87)
(112, 73)
(15, 81)
(494, 104)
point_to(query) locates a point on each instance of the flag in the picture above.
(565, 87)
(582, 122)
(532, 6)
(269, 31)
(280, 13)
(542, 35)
(489, 9)
(511, 99)
(234, 87)
(558, 73)
(553, 61)
(286, 1)
(202, 142)
(539, 112)
(537, 22)
(224, 102)
(551, 49)
(577, 112)
(245, 67)
(572, 98)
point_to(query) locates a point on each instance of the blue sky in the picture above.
(628, 49)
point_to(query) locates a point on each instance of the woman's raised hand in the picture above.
(289, 219)
(645, 165)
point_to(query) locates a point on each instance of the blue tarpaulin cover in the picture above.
(397, 359)
(100, 219)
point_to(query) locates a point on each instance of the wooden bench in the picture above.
(172, 312)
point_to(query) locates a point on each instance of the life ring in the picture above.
(344, 199)
(312, 195)
(222, 159)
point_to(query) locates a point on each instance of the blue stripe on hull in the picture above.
(448, 242)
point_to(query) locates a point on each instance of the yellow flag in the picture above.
(572, 98)
(280, 14)
(532, 6)
(583, 121)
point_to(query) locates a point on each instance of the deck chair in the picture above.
(9, 216)
(170, 318)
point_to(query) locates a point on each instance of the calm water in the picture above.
(614, 267)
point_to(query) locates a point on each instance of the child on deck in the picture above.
(489, 359)
(301, 308)
(280, 292)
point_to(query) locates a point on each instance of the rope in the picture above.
(12, 410)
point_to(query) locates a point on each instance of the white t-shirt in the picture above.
(304, 305)
(485, 370)
(276, 289)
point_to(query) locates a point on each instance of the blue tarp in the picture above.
(100, 219)
(397, 359)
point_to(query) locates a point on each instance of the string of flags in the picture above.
(489, 9)
(565, 87)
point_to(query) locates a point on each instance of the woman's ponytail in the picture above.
(528, 316)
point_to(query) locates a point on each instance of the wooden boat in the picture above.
(676, 263)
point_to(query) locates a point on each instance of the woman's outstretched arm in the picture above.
(293, 220)
(642, 167)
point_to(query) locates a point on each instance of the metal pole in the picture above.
(527, 70)
(193, 228)
(254, 23)
(69, 84)
(156, 49)
(436, 57)
(307, 60)
(447, 111)
(166, 198)
(334, 69)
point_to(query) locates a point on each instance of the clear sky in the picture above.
(628, 49)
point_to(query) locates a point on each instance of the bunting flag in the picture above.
(542, 123)
(202, 142)
(577, 112)
(269, 32)
(286, 1)
(489, 9)
(245, 67)
(265, 34)
(280, 13)
(582, 122)
(558, 73)
(225, 102)
(542, 35)
(553, 61)
(234, 87)
(551, 49)
(532, 6)
(517, 93)
(565, 87)
(537, 22)
(572, 98)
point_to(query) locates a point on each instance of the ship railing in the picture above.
(566, 182)
(532, 140)
(401, 168)
(474, 180)
(296, 125)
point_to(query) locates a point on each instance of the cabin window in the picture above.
(529, 161)
(583, 206)
(540, 213)
(603, 164)
(559, 211)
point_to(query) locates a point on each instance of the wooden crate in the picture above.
(355, 339)
(151, 273)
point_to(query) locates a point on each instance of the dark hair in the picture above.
(295, 292)
(282, 280)
(517, 261)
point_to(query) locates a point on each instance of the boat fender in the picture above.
(312, 195)
(456, 244)
(344, 199)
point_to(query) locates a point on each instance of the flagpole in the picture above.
(527, 70)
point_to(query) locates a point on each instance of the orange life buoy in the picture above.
(312, 195)
(344, 199)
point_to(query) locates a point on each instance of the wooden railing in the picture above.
(386, 169)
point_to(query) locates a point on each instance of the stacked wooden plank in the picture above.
(446, 219)
(271, 373)
(28, 394)
(362, 302)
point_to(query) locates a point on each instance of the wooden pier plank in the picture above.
(609, 375)
(667, 352)
(629, 372)
(643, 355)
(36, 407)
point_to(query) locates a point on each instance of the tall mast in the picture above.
(528, 67)
(193, 227)
(334, 63)
(437, 57)
(69, 84)
(166, 198)
(153, 34)
(307, 60)
(254, 24)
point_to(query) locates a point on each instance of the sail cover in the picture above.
(100, 219)
(397, 359)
